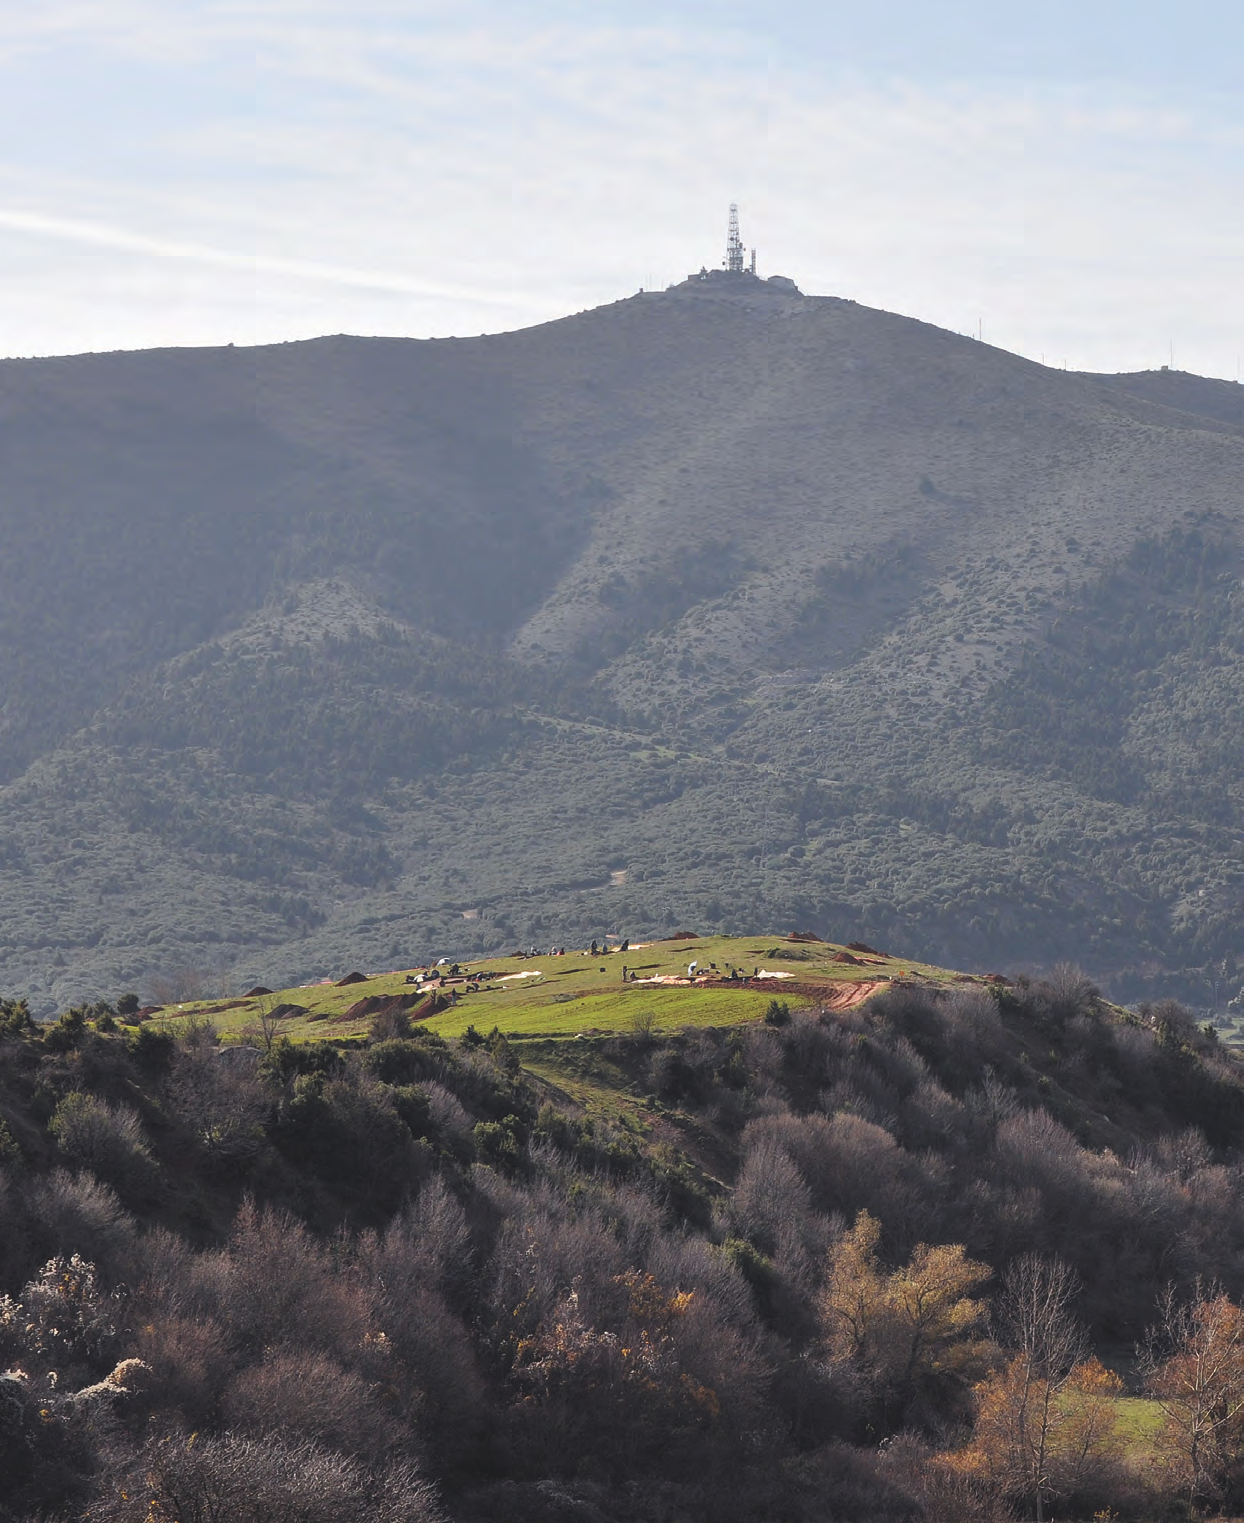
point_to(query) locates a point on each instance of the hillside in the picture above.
(527, 1240)
(756, 609)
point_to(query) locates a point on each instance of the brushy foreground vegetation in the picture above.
(961, 1252)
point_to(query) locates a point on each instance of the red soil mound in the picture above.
(421, 1006)
(375, 1004)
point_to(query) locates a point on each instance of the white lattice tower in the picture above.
(734, 244)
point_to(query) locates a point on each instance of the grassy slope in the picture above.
(561, 997)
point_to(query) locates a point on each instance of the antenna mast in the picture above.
(734, 244)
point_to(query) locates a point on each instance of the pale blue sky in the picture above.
(1069, 176)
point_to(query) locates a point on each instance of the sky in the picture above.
(1064, 179)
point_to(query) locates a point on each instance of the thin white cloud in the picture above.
(99, 236)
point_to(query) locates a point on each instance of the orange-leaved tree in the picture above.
(909, 1332)
(1195, 1368)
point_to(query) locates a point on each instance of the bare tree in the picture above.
(184, 984)
(224, 1110)
(1034, 1321)
(1194, 1363)
(267, 1028)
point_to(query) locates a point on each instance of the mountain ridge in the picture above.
(316, 648)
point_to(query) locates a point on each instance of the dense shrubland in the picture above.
(273, 808)
(899, 1264)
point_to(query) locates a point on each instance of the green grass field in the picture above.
(561, 997)
(631, 1009)
(1139, 1421)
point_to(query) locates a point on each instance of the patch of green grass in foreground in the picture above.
(1139, 1422)
(660, 1008)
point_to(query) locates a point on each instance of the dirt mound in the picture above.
(862, 946)
(255, 993)
(287, 1011)
(421, 1006)
(803, 936)
(681, 936)
(381, 1004)
(846, 957)
(350, 978)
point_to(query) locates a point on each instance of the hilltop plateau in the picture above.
(762, 609)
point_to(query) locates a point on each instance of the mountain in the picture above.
(723, 605)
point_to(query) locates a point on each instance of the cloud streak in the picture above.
(100, 236)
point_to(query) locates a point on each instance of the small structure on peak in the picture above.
(737, 274)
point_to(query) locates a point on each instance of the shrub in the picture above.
(190, 1361)
(427, 1244)
(14, 1017)
(262, 1480)
(224, 1108)
(414, 1107)
(286, 1060)
(10, 1153)
(66, 1034)
(310, 1396)
(64, 1314)
(152, 1049)
(273, 1285)
(79, 1214)
(390, 1023)
(498, 1143)
(403, 1062)
(106, 1139)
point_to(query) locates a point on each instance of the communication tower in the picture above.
(734, 244)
